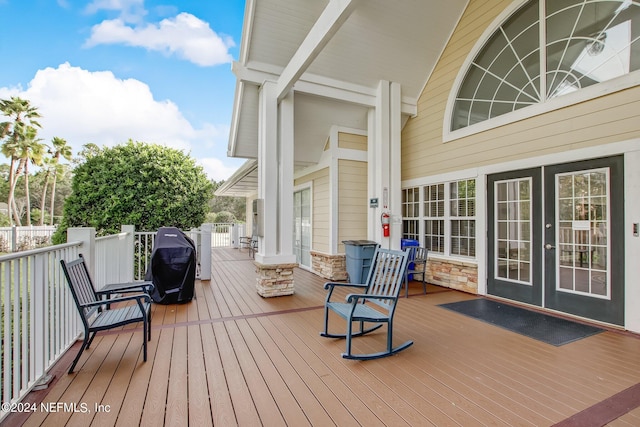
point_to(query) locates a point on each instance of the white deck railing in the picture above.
(14, 239)
(38, 318)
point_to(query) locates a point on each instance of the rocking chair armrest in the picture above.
(353, 298)
(332, 285)
(137, 297)
(342, 284)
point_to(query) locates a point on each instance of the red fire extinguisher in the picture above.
(384, 218)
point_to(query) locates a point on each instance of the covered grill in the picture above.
(172, 267)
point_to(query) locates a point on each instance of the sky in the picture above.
(106, 71)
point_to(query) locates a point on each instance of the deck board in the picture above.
(231, 357)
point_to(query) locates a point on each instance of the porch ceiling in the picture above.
(398, 41)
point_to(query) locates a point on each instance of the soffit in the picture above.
(398, 41)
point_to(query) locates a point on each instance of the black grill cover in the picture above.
(172, 267)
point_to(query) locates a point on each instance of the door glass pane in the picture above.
(302, 226)
(582, 230)
(513, 225)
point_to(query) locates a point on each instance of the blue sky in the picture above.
(104, 71)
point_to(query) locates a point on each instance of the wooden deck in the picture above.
(231, 358)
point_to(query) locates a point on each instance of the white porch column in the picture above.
(385, 164)
(268, 171)
(275, 259)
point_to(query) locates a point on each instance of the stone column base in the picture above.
(274, 280)
(331, 267)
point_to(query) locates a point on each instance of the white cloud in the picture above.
(129, 10)
(186, 36)
(82, 106)
(216, 169)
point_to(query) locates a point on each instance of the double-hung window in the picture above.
(442, 217)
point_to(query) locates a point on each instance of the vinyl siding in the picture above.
(352, 201)
(321, 203)
(352, 141)
(606, 119)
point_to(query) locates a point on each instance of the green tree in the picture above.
(235, 205)
(146, 185)
(21, 117)
(30, 150)
(59, 149)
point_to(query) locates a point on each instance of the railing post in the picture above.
(87, 236)
(205, 249)
(14, 238)
(129, 255)
(234, 235)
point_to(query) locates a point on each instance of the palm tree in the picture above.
(48, 167)
(60, 149)
(20, 114)
(30, 150)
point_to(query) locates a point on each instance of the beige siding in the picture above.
(352, 141)
(610, 118)
(352, 201)
(321, 203)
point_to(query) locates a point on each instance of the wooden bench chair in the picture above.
(375, 302)
(251, 243)
(95, 311)
(417, 265)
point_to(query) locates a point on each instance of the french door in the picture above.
(556, 237)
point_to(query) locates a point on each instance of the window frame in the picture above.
(616, 84)
(447, 217)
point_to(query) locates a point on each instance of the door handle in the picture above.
(549, 246)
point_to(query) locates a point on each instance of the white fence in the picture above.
(14, 239)
(38, 318)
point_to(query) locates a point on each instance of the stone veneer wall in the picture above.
(459, 275)
(274, 280)
(331, 267)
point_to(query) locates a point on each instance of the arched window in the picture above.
(545, 51)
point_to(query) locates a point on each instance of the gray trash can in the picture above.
(359, 255)
(404, 244)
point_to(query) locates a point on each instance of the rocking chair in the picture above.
(375, 303)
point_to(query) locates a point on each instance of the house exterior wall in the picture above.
(352, 141)
(321, 198)
(605, 125)
(339, 194)
(352, 201)
(603, 120)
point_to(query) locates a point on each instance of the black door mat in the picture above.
(539, 326)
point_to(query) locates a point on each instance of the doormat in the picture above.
(550, 329)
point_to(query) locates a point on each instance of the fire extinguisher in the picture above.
(384, 218)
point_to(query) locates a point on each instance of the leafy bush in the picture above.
(224, 217)
(146, 185)
(4, 220)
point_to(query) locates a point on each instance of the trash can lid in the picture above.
(359, 242)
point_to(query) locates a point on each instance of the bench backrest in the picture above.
(386, 276)
(81, 286)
